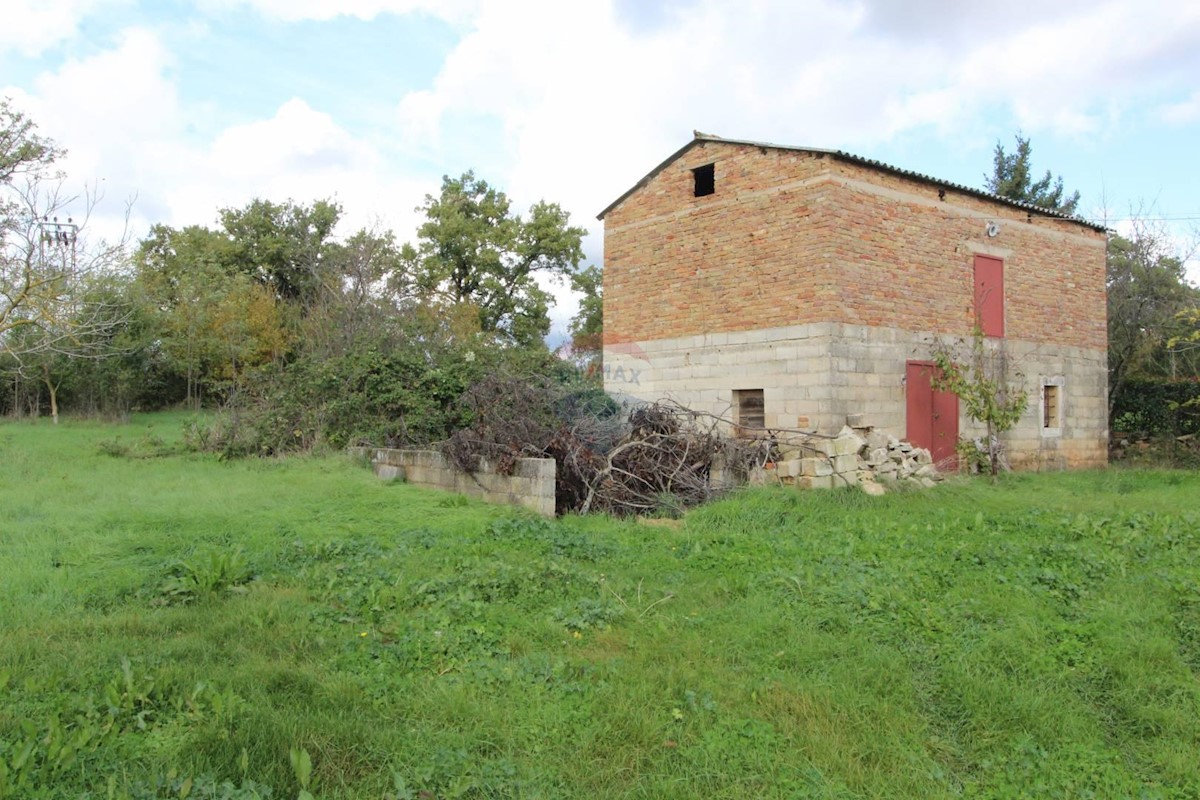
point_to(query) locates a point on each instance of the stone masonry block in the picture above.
(815, 482)
(389, 472)
(850, 478)
(816, 466)
(846, 463)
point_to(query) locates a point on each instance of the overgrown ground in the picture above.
(177, 626)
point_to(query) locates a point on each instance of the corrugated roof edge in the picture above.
(851, 157)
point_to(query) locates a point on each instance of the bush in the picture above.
(1158, 407)
(387, 392)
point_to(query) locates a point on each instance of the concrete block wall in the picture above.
(531, 484)
(814, 376)
(870, 365)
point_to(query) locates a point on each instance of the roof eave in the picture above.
(701, 138)
(649, 176)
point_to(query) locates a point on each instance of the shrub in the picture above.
(1158, 407)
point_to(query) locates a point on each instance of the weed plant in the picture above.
(179, 626)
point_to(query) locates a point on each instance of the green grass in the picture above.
(173, 625)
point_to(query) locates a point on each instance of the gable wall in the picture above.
(751, 255)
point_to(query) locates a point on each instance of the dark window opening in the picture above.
(1050, 406)
(750, 417)
(706, 180)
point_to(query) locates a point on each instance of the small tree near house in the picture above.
(980, 375)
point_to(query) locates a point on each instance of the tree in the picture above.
(281, 244)
(473, 250)
(215, 319)
(22, 151)
(27, 292)
(1148, 297)
(1012, 177)
(982, 381)
(363, 288)
(1188, 339)
(587, 326)
(46, 266)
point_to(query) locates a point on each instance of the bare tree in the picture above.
(46, 262)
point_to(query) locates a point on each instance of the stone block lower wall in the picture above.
(814, 376)
(531, 484)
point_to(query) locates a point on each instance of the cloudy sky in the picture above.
(190, 107)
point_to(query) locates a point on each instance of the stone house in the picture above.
(791, 287)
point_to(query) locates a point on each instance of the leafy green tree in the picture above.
(183, 272)
(1148, 300)
(132, 371)
(363, 289)
(474, 250)
(22, 151)
(1187, 340)
(587, 326)
(1012, 177)
(282, 245)
(215, 319)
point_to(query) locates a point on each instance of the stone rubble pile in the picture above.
(861, 457)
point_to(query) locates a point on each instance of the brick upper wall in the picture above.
(747, 256)
(791, 237)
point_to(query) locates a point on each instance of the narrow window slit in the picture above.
(1050, 406)
(749, 413)
(706, 180)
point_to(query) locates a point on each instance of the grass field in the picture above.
(177, 626)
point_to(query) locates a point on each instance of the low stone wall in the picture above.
(531, 484)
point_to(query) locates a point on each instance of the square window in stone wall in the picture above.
(749, 413)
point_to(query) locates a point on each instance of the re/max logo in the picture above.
(622, 375)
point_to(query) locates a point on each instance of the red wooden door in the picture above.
(989, 295)
(932, 416)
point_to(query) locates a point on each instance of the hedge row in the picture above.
(1158, 407)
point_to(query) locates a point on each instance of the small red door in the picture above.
(932, 416)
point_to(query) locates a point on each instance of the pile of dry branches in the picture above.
(653, 459)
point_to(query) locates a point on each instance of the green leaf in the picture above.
(24, 754)
(301, 766)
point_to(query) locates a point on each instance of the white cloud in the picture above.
(127, 134)
(585, 115)
(118, 118)
(299, 153)
(586, 103)
(31, 27)
(296, 10)
(573, 102)
(1183, 112)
